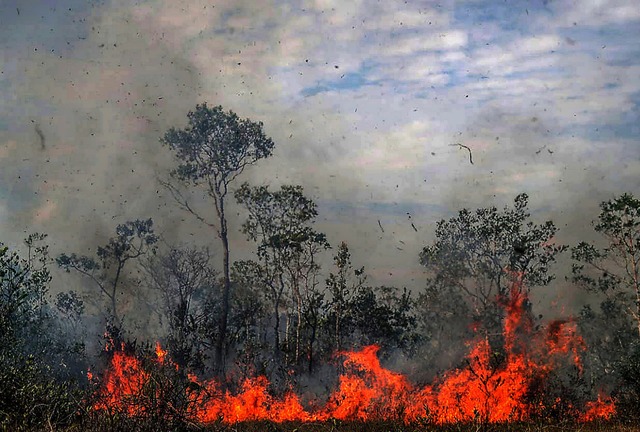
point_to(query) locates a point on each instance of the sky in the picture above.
(365, 100)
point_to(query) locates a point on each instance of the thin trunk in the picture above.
(226, 292)
(312, 339)
(287, 347)
(337, 329)
(114, 293)
(637, 314)
(636, 286)
(276, 327)
(299, 323)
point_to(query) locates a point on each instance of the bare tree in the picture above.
(181, 276)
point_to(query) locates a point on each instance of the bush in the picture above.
(31, 398)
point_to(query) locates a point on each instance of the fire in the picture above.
(160, 353)
(603, 408)
(369, 392)
(253, 402)
(484, 390)
(122, 384)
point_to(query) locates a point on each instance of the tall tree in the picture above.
(213, 150)
(287, 245)
(614, 270)
(133, 239)
(477, 254)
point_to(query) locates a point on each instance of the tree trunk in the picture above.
(312, 339)
(226, 291)
(299, 319)
(114, 294)
(276, 327)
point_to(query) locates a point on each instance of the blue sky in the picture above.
(363, 99)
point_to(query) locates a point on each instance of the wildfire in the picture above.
(122, 384)
(480, 391)
(603, 408)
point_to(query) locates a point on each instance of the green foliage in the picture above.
(286, 271)
(34, 387)
(357, 314)
(133, 239)
(478, 254)
(23, 288)
(614, 270)
(31, 397)
(383, 316)
(279, 221)
(216, 146)
(628, 392)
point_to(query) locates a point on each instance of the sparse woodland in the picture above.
(283, 316)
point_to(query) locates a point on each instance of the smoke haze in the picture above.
(362, 99)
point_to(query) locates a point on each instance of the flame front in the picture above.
(122, 384)
(480, 391)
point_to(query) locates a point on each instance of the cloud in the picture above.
(595, 12)
(440, 41)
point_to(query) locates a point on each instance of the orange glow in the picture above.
(490, 388)
(160, 353)
(603, 408)
(122, 384)
(253, 402)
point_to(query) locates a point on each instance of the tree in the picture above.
(478, 254)
(182, 276)
(249, 320)
(287, 245)
(213, 150)
(342, 286)
(106, 270)
(614, 270)
(383, 316)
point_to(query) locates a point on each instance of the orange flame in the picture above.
(160, 353)
(480, 391)
(603, 408)
(122, 383)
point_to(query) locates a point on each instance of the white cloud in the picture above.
(514, 55)
(454, 39)
(595, 12)
(536, 45)
(394, 18)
